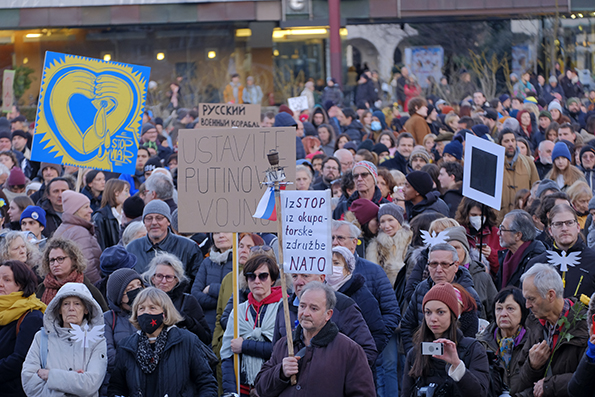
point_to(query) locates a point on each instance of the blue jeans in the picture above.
(391, 371)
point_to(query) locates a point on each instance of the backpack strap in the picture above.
(43, 347)
(21, 320)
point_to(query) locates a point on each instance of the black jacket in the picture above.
(52, 219)
(432, 202)
(107, 228)
(453, 198)
(183, 369)
(396, 162)
(534, 249)
(95, 201)
(582, 383)
(194, 318)
(355, 130)
(542, 169)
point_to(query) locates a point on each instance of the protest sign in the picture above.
(7, 91)
(89, 113)
(307, 243)
(298, 103)
(220, 171)
(483, 171)
(228, 115)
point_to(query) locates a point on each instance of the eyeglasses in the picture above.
(330, 168)
(261, 276)
(363, 175)
(502, 229)
(59, 259)
(168, 278)
(558, 225)
(260, 248)
(340, 238)
(158, 218)
(443, 265)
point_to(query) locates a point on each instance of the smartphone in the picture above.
(432, 349)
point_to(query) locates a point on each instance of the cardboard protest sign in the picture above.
(307, 243)
(220, 171)
(228, 115)
(7, 90)
(298, 103)
(483, 171)
(89, 113)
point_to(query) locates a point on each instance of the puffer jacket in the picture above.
(389, 252)
(501, 377)
(83, 233)
(356, 289)
(211, 272)
(475, 382)
(432, 202)
(107, 228)
(66, 355)
(564, 364)
(183, 370)
(414, 315)
(484, 286)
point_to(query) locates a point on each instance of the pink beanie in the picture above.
(73, 201)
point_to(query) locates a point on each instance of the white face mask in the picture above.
(336, 277)
(475, 221)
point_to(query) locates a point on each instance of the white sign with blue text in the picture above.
(307, 243)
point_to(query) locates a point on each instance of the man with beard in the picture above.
(331, 170)
(543, 162)
(519, 171)
(575, 113)
(587, 157)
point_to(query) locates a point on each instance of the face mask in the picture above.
(376, 126)
(336, 277)
(150, 322)
(132, 295)
(475, 221)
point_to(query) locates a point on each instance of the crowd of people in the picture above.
(431, 292)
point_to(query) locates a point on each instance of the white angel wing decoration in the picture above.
(563, 261)
(432, 239)
(86, 335)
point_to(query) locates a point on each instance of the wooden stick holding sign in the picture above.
(236, 328)
(276, 176)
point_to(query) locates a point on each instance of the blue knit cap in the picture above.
(455, 149)
(34, 212)
(561, 150)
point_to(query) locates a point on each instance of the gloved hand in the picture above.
(590, 351)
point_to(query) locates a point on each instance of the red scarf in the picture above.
(511, 261)
(52, 285)
(275, 296)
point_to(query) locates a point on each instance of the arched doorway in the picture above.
(364, 52)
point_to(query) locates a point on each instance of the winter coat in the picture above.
(501, 377)
(536, 248)
(228, 96)
(94, 292)
(432, 202)
(396, 162)
(582, 383)
(185, 249)
(252, 94)
(346, 315)
(453, 198)
(343, 206)
(14, 348)
(521, 175)
(211, 272)
(414, 315)
(95, 201)
(484, 286)
(589, 177)
(107, 228)
(194, 317)
(355, 130)
(183, 369)
(329, 349)
(418, 127)
(83, 234)
(389, 252)
(580, 278)
(333, 94)
(356, 289)
(417, 258)
(52, 219)
(65, 354)
(543, 169)
(564, 364)
(366, 92)
(490, 237)
(475, 382)
(117, 328)
(548, 93)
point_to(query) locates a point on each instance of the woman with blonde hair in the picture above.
(563, 172)
(17, 247)
(580, 194)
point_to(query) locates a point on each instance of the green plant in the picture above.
(22, 81)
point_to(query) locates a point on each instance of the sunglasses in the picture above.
(261, 276)
(260, 248)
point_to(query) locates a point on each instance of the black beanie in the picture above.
(421, 181)
(133, 207)
(117, 283)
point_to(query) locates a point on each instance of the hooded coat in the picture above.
(432, 202)
(83, 233)
(66, 355)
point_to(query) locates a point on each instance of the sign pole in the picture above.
(79, 179)
(236, 357)
(276, 175)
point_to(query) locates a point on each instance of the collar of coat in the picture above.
(326, 335)
(150, 246)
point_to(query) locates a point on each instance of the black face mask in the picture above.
(132, 295)
(150, 322)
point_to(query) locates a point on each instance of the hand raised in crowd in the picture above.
(486, 250)
(236, 345)
(539, 354)
(538, 388)
(450, 355)
(290, 366)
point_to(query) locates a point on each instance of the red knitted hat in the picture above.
(444, 293)
(364, 210)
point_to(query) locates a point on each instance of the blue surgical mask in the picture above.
(376, 126)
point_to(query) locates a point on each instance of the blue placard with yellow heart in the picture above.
(89, 113)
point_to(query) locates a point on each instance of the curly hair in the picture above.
(70, 248)
(33, 254)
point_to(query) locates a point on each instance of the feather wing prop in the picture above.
(86, 335)
(432, 239)
(563, 261)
